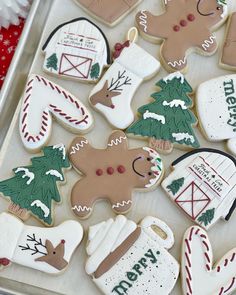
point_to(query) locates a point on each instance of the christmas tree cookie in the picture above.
(168, 120)
(33, 188)
(203, 185)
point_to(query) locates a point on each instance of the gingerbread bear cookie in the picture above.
(203, 185)
(46, 249)
(107, 11)
(111, 173)
(113, 95)
(199, 274)
(185, 26)
(228, 59)
(133, 259)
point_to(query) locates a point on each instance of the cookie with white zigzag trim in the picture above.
(111, 173)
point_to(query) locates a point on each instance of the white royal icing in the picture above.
(14, 233)
(26, 173)
(183, 136)
(42, 99)
(61, 148)
(208, 42)
(174, 75)
(149, 115)
(55, 173)
(44, 208)
(175, 103)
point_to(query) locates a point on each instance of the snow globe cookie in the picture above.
(216, 108)
(46, 249)
(112, 173)
(77, 49)
(203, 185)
(126, 258)
(167, 121)
(33, 188)
(113, 95)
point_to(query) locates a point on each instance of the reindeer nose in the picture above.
(63, 241)
(112, 106)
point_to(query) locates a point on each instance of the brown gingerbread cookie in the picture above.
(186, 25)
(228, 59)
(111, 173)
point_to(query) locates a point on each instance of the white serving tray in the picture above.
(74, 281)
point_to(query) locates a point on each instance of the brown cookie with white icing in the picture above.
(186, 26)
(112, 173)
(228, 59)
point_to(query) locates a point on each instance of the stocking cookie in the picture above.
(185, 26)
(77, 49)
(203, 185)
(48, 250)
(33, 188)
(216, 107)
(111, 173)
(112, 96)
(43, 99)
(126, 258)
(168, 120)
(228, 59)
(107, 11)
(200, 275)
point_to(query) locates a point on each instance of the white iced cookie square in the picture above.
(126, 258)
(203, 185)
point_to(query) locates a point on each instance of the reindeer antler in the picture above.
(34, 249)
(122, 80)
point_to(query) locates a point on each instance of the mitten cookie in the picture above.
(107, 11)
(126, 258)
(216, 107)
(77, 49)
(185, 26)
(43, 99)
(47, 250)
(203, 185)
(200, 274)
(111, 173)
(167, 121)
(228, 59)
(112, 96)
(34, 187)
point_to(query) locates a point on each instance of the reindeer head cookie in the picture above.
(185, 25)
(111, 173)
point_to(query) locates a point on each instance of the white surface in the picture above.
(155, 203)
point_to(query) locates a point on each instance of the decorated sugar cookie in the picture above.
(48, 250)
(43, 99)
(111, 173)
(126, 258)
(33, 188)
(185, 26)
(107, 11)
(112, 96)
(228, 59)
(203, 185)
(200, 274)
(216, 107)
(168, 120)
(77, 49)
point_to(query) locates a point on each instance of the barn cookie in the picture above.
(228, 59)
(77, 49)
(112, 96)
(185, 26)
(126, 258)
(203, 185)
(168, 120)
(111, 173)
(216, 107)
(48, 250)
(43, 99)
(33, 188)
(107, 11)
(199, 273)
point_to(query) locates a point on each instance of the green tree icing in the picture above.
(95, 71)
(173, 120)
(52, 62)
(34, 187)
(176, 185)
(207, 217)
